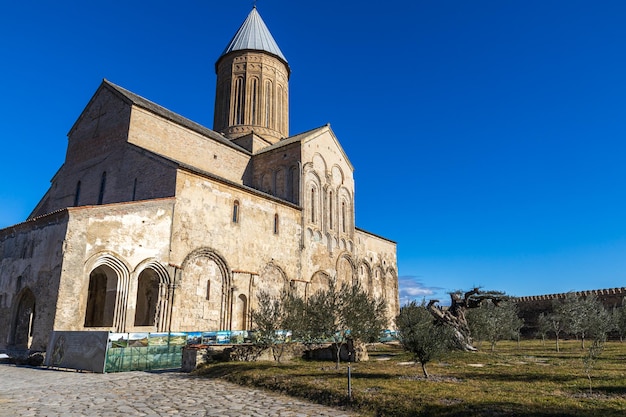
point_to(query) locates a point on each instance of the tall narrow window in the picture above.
(279, 110)
(135, 189)
(239, 100)
(77, 194)
(312, 205)
(343, 217)
(275, 224)
(255, 101)
(330, 210)
(236, 212)
(103, 183)
(208, 290)
(268, 103)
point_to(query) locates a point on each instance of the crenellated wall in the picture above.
(530, 307)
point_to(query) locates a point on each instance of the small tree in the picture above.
(590, 358)
(619, 320)
(583, 315)
(345, 314)
(421, 335)
(600, 324)
(493, 322)
(556, 321)
(274, 314)
(543, 327)
(267, 319)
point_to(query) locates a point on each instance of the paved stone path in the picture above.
(39, 392)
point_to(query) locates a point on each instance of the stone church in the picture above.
(155, 223)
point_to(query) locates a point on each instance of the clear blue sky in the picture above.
(487, 136)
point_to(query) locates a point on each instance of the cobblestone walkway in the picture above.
(38, 392)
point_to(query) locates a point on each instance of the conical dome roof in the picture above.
(254, 34)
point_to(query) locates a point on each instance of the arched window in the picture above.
(101, 297)
(135, 189)
(313, 205)
(279, 109)
(77, 194)
(147, 298)
(343, 216)
(103, 183)
(236, 212)
(255, 101)
(330, 210)
(21, 335)
(276, 224)
(240, 313)
(240, 93)
(268, 103)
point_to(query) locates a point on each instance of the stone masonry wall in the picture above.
(31, 263)
(126, 236)
(183, 145)
(222, 261)
(530, 307)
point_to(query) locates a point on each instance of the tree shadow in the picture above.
(516, 377)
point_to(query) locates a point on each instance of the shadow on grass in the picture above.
(230, 368)
(501, 376)
(499, 409)
(610, 390)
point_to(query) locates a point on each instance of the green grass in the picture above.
(529, 380)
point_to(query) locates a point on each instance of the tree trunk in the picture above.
(338, 353)
(424, 369)
(454, 316)
(557, 343)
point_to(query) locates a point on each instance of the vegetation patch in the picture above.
(525, 379)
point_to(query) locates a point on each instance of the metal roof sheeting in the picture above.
(254, 34)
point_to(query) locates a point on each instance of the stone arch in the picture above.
(345, 211)
(23, 321)
(364, 272)
(293, 185)
(330, 242)
(337, 176)
(240, 313)
(313, 199)
(319, 281)
(205, 289)
(265, 183)
(280, 182)
(378, 282)
(390, 294)
(319, 163)
(107, 292)
(346, 271)
(154, 286)
(272, 280)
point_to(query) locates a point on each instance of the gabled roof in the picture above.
(305, 137)
(254, 34)
(136, 100)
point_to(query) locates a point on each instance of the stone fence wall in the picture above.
(531, 306)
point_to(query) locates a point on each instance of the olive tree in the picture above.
(340, 315)
(493, 322)
(619, 319)
(584, 316)
(421, 335)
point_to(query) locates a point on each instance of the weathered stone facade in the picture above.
(155, 223)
